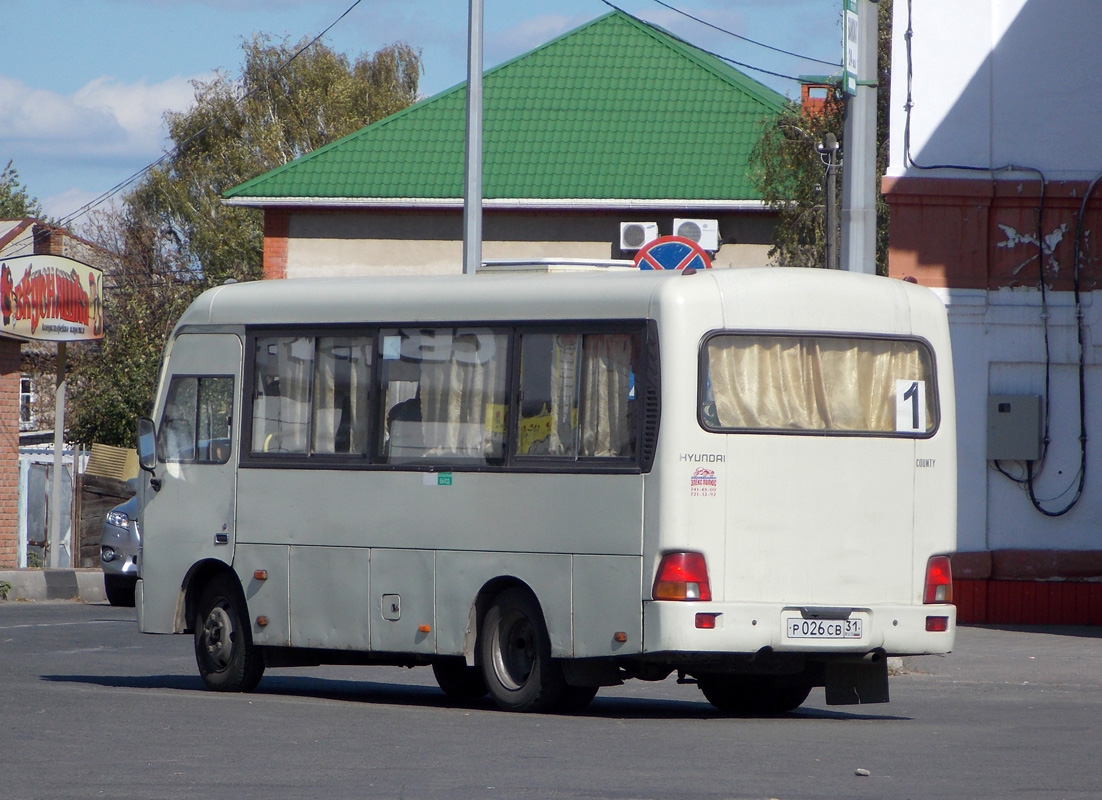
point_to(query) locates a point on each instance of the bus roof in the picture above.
(753, 298)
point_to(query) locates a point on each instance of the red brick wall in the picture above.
(980, 230)
(1028, 587)
(9, 452)
(1009, 602)
(277, 225)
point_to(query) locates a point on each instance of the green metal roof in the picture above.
(615, 109)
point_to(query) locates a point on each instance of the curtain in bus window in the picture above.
(341, 394)
(564, 395)
(462, 387)
(281, 403)
(606, 383)
(813, 383)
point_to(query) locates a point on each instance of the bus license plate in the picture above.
(799, 628)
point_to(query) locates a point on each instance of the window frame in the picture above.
(645, 378)
(647, 393)
(198, 377)
(702, 372)
(249, 457)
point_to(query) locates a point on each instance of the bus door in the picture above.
(190, 503)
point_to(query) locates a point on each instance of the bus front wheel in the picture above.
(224, 651)
(516, 655)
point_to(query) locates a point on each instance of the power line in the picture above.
(746, 38)
(103, 198)
(740, 64)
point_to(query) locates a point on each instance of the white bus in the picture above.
(544, 484)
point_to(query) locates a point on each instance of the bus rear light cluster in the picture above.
(682, 576)
(939, 581)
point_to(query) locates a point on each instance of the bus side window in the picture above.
(442, 394)
(195, 425)
(578, 395)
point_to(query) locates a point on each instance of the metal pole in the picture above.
(59, 446)
(859, 173)
(828, 151)
(472, 183)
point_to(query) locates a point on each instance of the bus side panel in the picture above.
(402, 599)
(606, 601)
(330, 603)
(462, 575)
(511, 512)
(266, 594)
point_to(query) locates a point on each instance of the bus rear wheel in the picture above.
(746, 695)
(516, 655)
(457, 680)
(224, 651)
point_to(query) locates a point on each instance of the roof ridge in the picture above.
(708, 61)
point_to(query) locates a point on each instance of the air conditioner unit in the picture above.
(705, 232)
(634, 235)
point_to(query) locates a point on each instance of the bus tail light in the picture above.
(682, 576)
(939, 580)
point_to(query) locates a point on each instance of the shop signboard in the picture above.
(50, 298)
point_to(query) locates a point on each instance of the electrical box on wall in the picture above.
(1013, 427)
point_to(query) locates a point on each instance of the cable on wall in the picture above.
(1033, 469)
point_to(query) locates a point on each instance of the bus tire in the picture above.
(457, 680)
(516, 655)
(224, 651)
(746, 695)
(577, 698)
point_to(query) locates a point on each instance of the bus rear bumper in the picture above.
(709, 627)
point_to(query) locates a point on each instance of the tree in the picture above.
(791, 178)
(172, 237)
(15, 201)
(790, 174)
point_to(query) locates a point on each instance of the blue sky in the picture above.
(84, 84)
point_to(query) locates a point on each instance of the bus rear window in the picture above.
(820, 384)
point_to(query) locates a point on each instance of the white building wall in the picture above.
(998, 82)
(998, 348)
(986, 84)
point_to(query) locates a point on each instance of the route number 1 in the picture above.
(910, 406)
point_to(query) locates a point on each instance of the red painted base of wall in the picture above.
(1010, 602)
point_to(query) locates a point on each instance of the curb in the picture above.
(78, 585)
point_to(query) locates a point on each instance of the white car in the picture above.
(119, 549)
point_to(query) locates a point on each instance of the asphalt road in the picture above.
(91, 708)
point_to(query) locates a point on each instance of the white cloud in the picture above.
(104, 132)
(104, 118)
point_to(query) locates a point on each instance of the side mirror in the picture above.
(147, 444)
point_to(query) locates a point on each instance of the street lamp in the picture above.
(828, 151)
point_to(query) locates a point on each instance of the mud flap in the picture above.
(852, 682)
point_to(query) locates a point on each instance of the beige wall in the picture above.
(331, 243)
